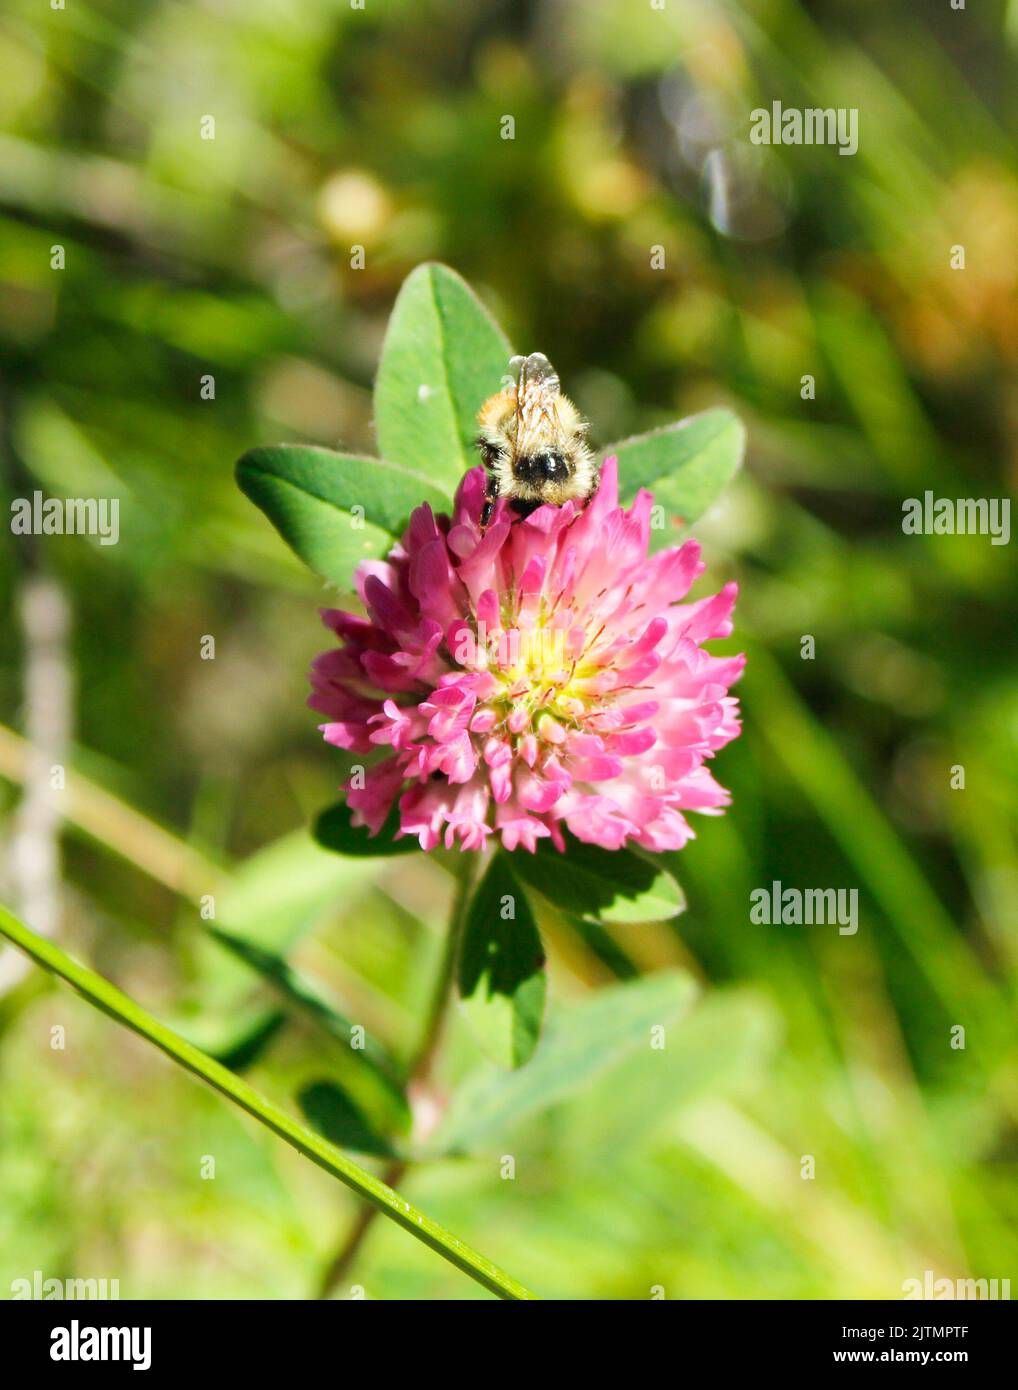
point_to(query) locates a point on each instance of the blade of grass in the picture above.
(110, 821)
(924, 927)
(119, 1006)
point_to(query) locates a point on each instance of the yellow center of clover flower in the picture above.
(537, 675)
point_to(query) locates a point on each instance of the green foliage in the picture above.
(333, 830)
(602, 885)
(501, 967)
(261, 913)
(129, 1014)
(718, 1051)
(443, 356)
(333, 509)
(232, 258)
(686, 465)
(593, 1037)
(306, 1000)
(245, 1049)
(329, 1110)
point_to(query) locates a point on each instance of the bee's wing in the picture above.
(535, 373)
(536, 396)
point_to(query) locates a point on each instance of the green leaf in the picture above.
(333, 830)
(329, 1110)
(720, 1049)
(686, 466)
(308, 494)
(591, 1038)
(501, 968)
(442, 357)
(604, 885)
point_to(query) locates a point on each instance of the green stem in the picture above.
(117, 1004)
(420, 1065)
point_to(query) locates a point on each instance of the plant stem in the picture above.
(418, 1069)
(119, 1006)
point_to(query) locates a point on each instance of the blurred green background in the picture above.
(335, 128)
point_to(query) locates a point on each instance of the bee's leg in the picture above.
(490, 496)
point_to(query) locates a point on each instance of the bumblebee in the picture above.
(533, 441)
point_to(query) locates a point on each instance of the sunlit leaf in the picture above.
(281, 889)
(590, 1038)
(600, 942)
(686, 466)
(335, 510)
(443, 356)
(720, 1048)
